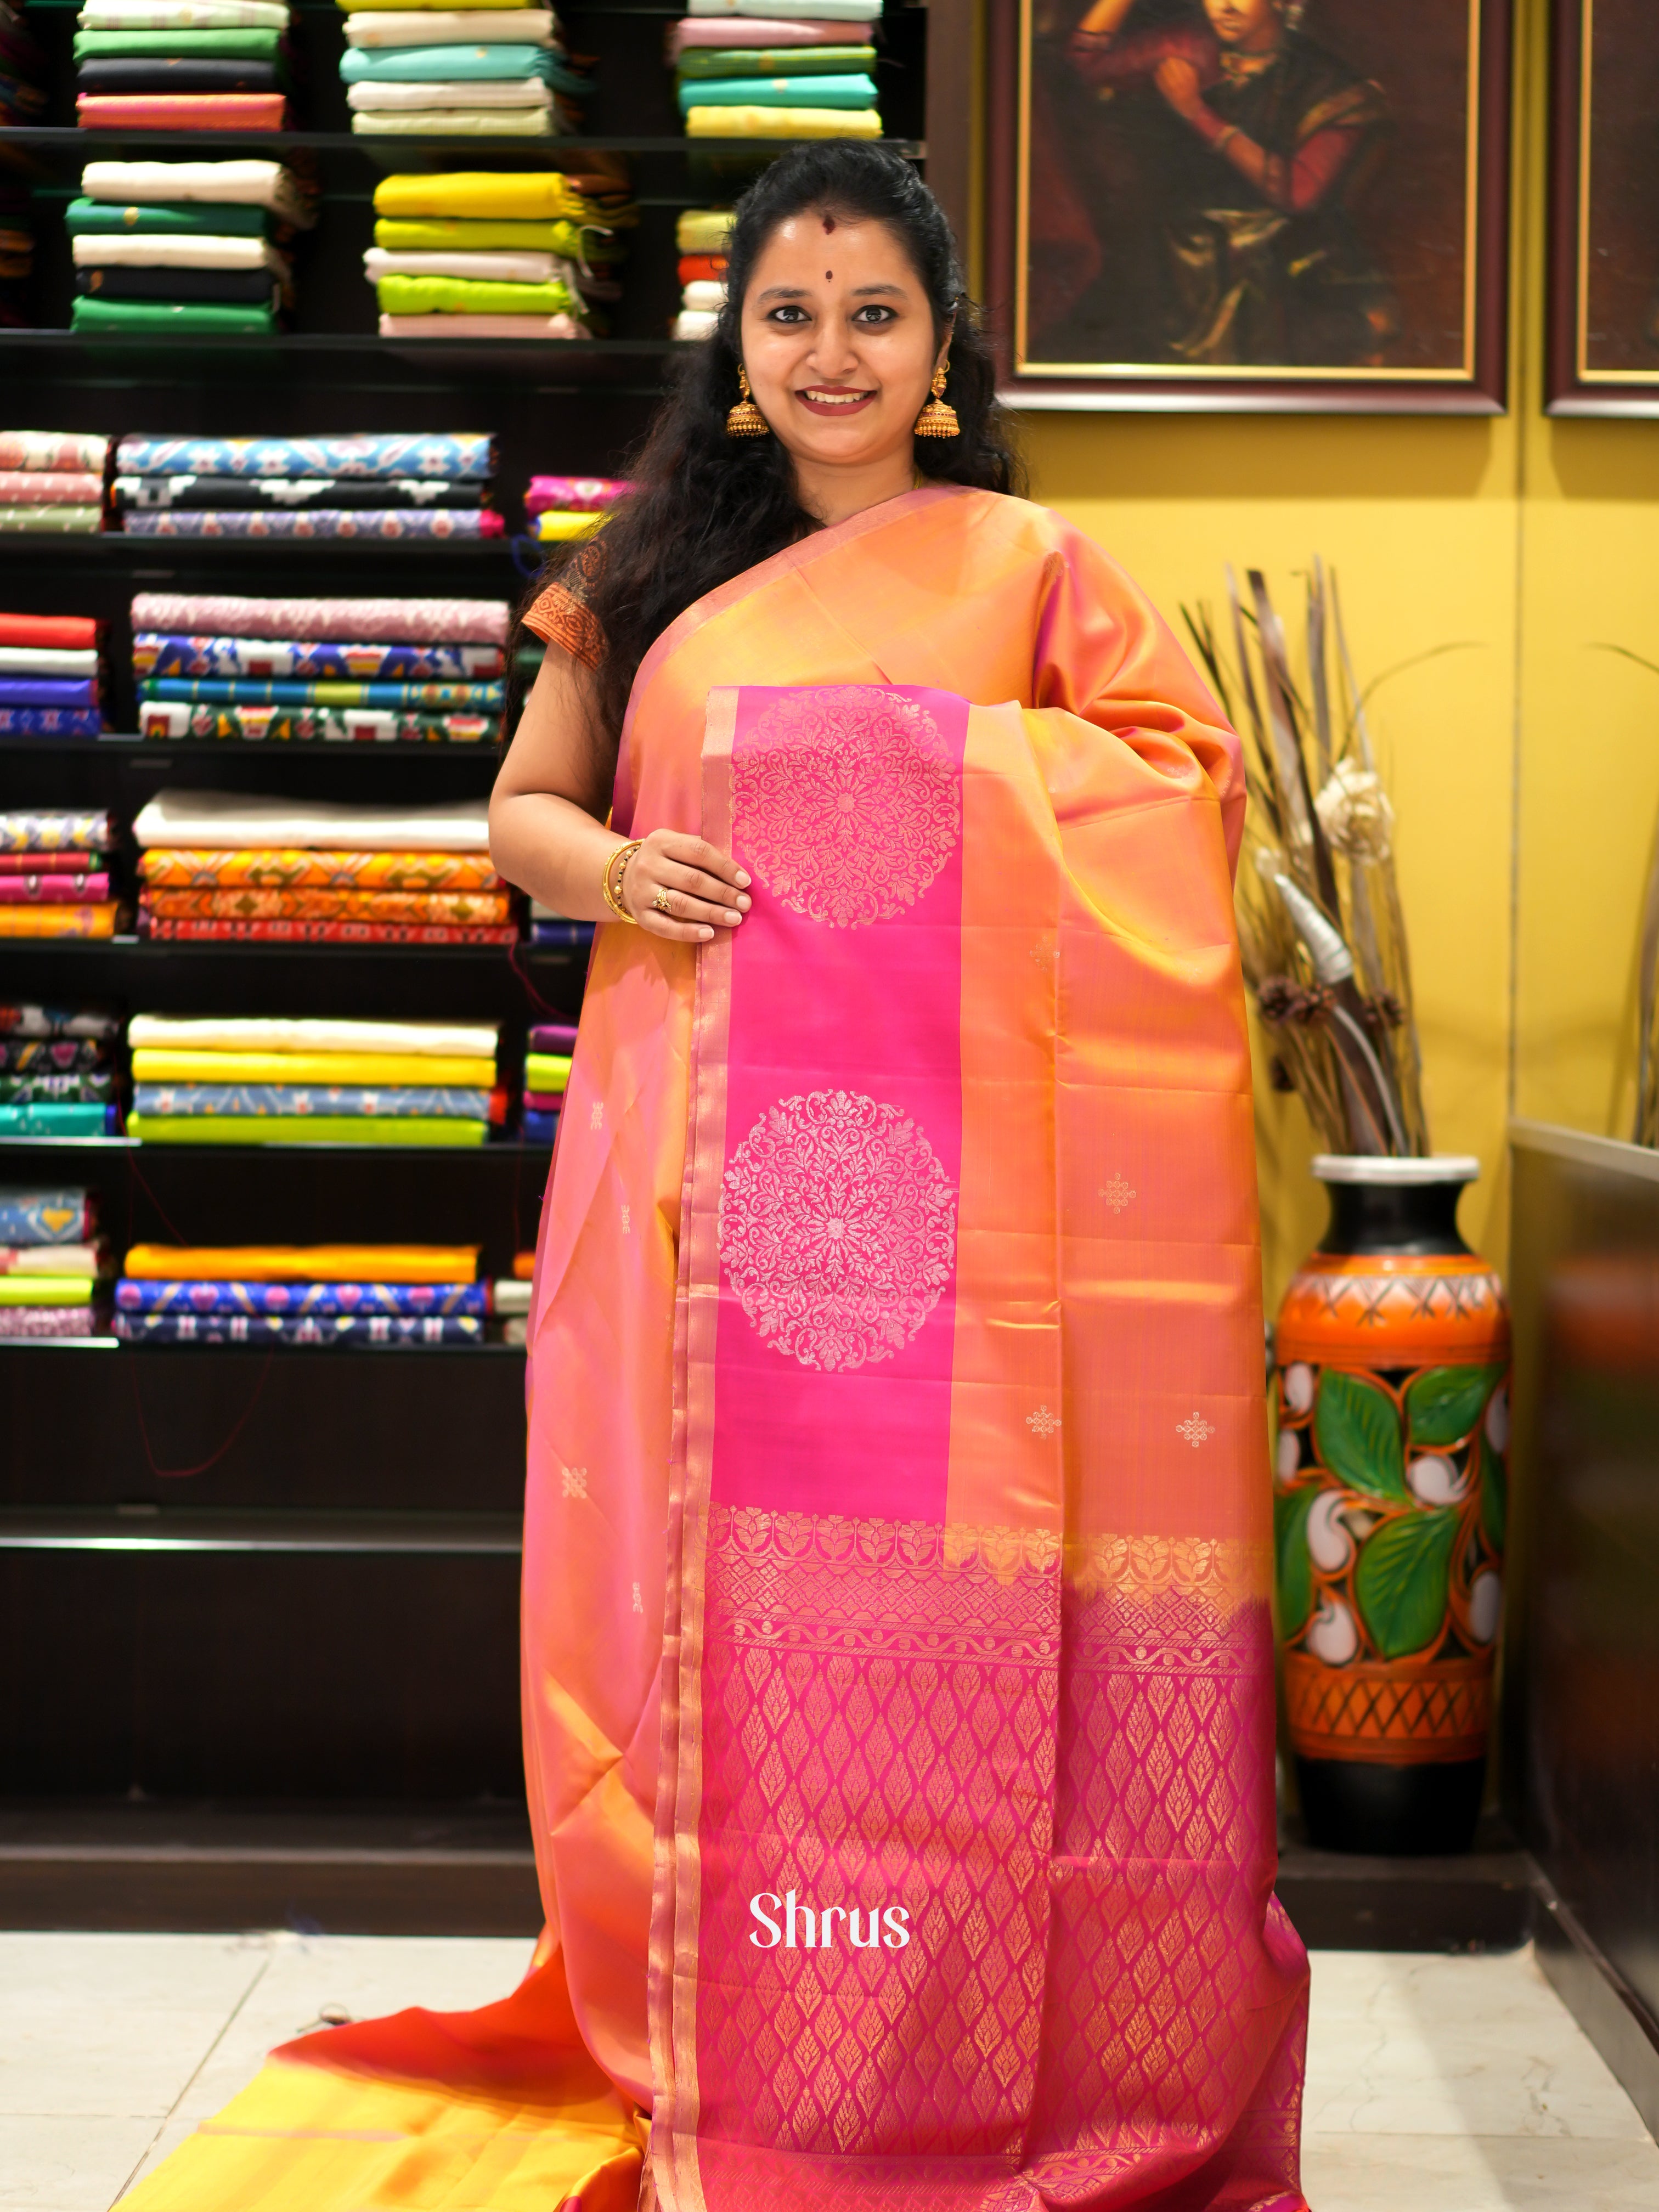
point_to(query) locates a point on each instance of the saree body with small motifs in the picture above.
(897, 1667)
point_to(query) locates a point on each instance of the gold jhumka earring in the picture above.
(938, 419)
(746, 419)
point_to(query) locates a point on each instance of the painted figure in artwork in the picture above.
(1213, 153)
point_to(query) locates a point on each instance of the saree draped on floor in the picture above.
(905, 1820)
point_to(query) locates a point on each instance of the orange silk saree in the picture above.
(898, 1673)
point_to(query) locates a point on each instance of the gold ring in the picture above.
(660, 901)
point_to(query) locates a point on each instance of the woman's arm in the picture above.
(1295, 186)
(547, 830)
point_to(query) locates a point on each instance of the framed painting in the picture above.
(1603, 328)
(1288, 204)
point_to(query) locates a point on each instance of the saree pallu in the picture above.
(303, 726)
(907, 1838)
(312, 660)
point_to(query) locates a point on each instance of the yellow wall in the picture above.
(1525, 769)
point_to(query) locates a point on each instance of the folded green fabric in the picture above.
(291, 1129)
(460, 235)
(153, 318)
(443, 64)
(778, 92)
(249, 46)
(103, 219)
(472, 295)
(775, 61)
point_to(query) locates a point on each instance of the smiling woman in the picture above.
(897, 1532)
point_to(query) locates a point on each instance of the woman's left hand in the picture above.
(1180, 85)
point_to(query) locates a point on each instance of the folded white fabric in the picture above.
(480, 326)
(705, 296)
(183, 15)
(499, 268)
(784, 11)
(48, 660)
(138, 250)
(695, 323)
(258, 1033)
(492, 92)
(216, 819)
(452, 26)
(473, 122)
(235, 184)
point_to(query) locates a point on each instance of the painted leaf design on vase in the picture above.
(1358, 1432)
(1402, 1581)
(1290, 1511)
(1442, 1404)
(1494, 1497)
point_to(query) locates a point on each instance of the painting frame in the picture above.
(1478, 385)
(1572, 385)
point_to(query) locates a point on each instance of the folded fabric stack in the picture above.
(559, 507)
(54, 873)
(398, 485)
(182, 65)
(49, 676)
(50, 1262)
(701, 234)
(22, 75)
(493, 253)
(548, 927)
(347, 1294)
(776, 69)
(185, 246)
(269, 871)
(376, 672)
(244, 1081)
(52, 480)
(56, 1070)
(546, 1072)
(489, 71)
(509, 1299)
(16, 246)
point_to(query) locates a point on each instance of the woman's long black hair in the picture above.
(709, 506)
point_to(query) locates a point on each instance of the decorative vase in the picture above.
(1389, 1490)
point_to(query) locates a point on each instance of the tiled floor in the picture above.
(1434, 2085)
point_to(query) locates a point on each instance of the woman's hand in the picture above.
(681, 887)
(1180, 85)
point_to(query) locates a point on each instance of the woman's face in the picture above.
(837, 337)
(1246, 26)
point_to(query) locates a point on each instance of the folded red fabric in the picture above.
(64, 632)
(181, 111)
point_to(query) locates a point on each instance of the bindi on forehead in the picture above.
(828, 224)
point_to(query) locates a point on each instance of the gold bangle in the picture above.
(614, 869)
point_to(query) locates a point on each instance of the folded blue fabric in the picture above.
(292, 1301)
(448, 454)
(443, 65)
(249, 691)
(50, 722)
(395, 1102)
(353, 1330)
(48, 692)
(561, 932)
(540, 1128)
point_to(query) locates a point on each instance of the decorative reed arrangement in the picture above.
(1319, 922)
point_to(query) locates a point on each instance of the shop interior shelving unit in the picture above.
(259, 1609)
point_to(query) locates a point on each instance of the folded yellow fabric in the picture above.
(546, 1070)
(301, 1129)
(521, 195)
(703, 230)
(555, 524)
(303, 1263)
(783, 123)
(450, 234)
(45, 1289)
(472, 295)
(370, 1067)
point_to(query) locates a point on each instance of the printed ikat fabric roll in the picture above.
(52, 450)
(156, 653)
(575, 495)
(50, 722)
(293, 1301)
(47, 1320)
(444, 523)
(89, 921)
(140, 494)
(97, 1087)
(259, 905)
(453, 455)
(403, 621)
(314, 869)
(54, 1215)
(255, 1328)
(57, 830)
(58, 1055)
(167, 720)
(250, 691)
(52, 890)
(303, 933)
(396, 1102)
(51, 487)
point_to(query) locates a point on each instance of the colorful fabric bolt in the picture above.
(246, 183)
(188, 491)
(475, 122)
(300, 932)
(46, 1321)
(488, 25)
(321, 1070)
(246, 42)
(50, 487)
(781, 92)
(146, 318)
(54, 1120)
(85, 218)
(575, 494)
(245, 691)
(569, 241)
(52, 1259)
(88, 921)
(314, 724)
(312, 660)
(704, 62)
(563, 329)
(52, 450)
(88, 1024)
(303, 1130)
(443, 524)
(51, 721)
(316, 868)
(48, 660)
(57, 1090)
(408, 621)
(51, 891)
(346, 1330)
(57, 830)
(291, 1263)
(540, 196)
(708, 121)
(428, 1041)
(331, 906)
(204, 111)
(58, 520)
(445, 456)
(442, 64)
(39, 1290)
(175, 818)
(295, 1300)
(48, 692)
(59, 1055)
(51, 1216)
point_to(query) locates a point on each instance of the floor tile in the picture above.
(1477, 2173)
(67, 2164)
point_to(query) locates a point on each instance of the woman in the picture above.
(897, 1671)
(1258, 143)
